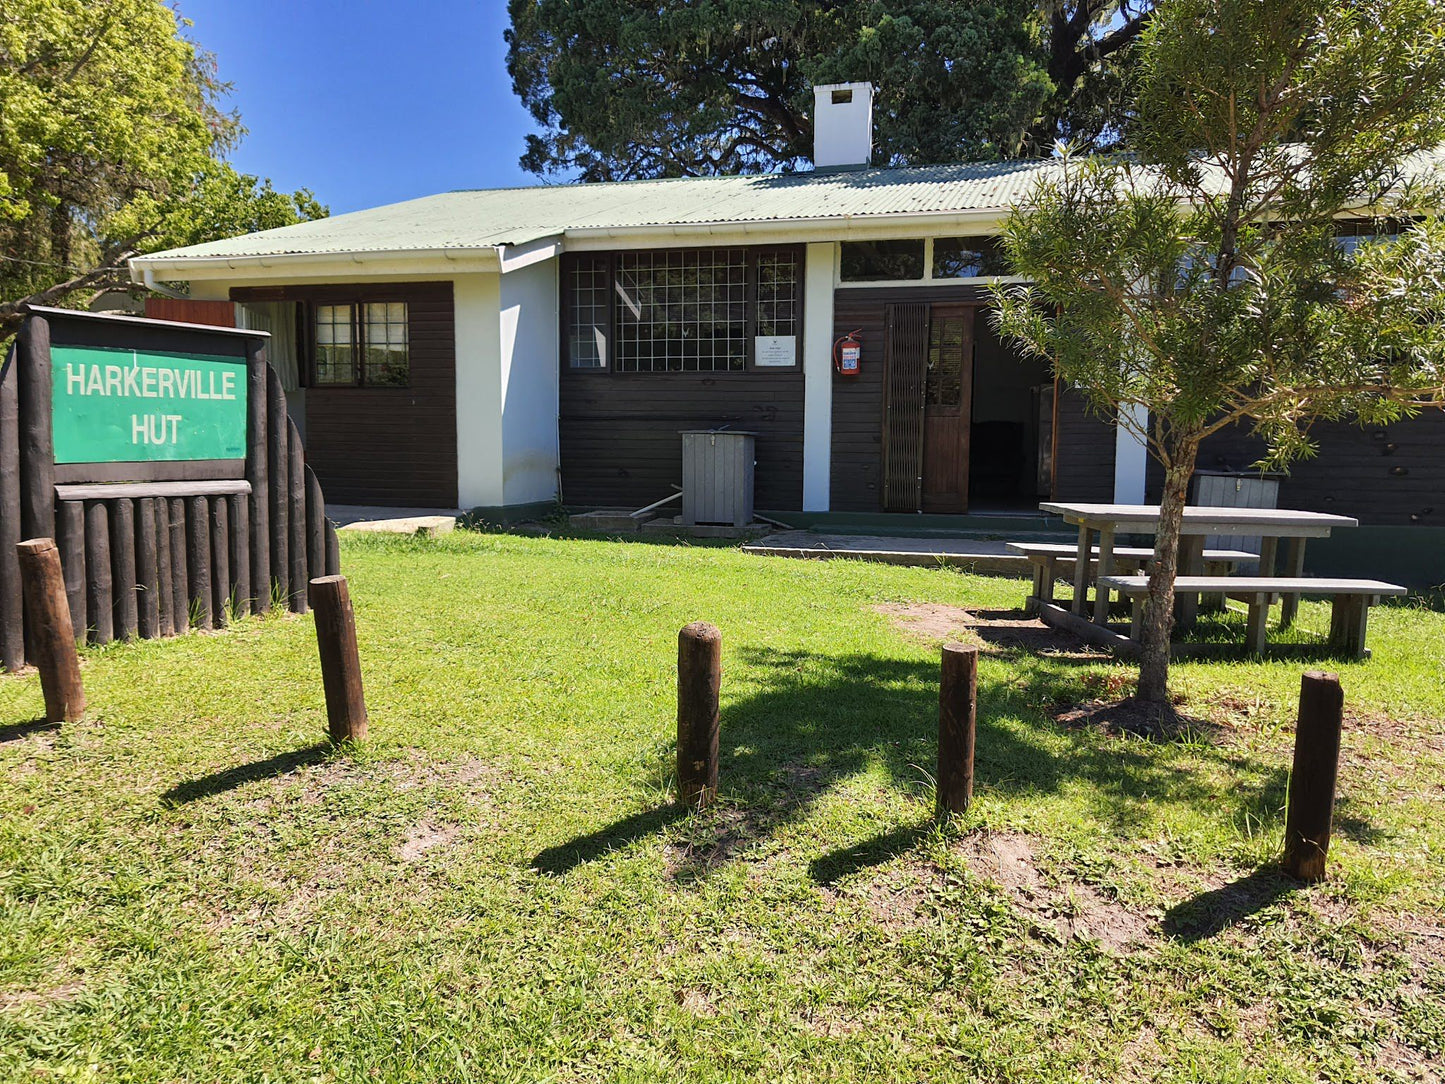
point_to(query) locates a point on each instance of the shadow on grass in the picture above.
(231, 778)
(558, 860)
(799, 724)
(1212, 912)
(16, 731)
(836, 865)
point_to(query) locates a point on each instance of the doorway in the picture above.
(927, 407)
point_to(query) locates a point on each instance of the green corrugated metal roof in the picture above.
(512, 216)
(482, 219)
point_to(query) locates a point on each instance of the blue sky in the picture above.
(367, 102)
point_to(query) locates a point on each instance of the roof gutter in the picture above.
(145, 269)
(834, 227)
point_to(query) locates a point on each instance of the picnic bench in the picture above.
(1351, 601)
(1103, 522)
(1045, 558)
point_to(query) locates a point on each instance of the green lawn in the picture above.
(496, 887)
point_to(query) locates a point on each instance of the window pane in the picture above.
(968, 257)
(682, 310)
(944, 384)
(877, 261)
(388, 360)
(777, 293)
(586, 293)
(335, 350)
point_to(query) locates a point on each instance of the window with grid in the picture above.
(335, 358)
(587, 298)
(777, 304)
(366, 344)
(681, 310)
(388, 358)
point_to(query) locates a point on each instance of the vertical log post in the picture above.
(180, 568)
(122, 574)
(198, 560)
(12, 605)
(340, 660)
(165, 574)
(241, 554)
(296, 516)
(98, 598)
(220, 521)
(315, 527)
(54, 635)
(1312, 781)
(957, 727)
(258, 473)
(70, 539)
(147, 570)
(333, 550)
(699, 681)
(278, 467)
(37, 436)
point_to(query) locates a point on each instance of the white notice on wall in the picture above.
(775, 350)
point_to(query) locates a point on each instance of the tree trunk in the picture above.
(1159, 609)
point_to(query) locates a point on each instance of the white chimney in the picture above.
(842, 125)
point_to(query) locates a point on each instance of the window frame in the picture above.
(358, 342)
(928, 281)
(751, 253)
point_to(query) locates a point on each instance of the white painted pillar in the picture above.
(477, 301)
(1131, 457)
(818, 282)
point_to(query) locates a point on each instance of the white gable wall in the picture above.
(529, 378)
(477, 301)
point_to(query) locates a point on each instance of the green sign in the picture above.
(127, 406)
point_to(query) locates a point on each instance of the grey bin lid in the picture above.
(1264, 474)
(716, 433)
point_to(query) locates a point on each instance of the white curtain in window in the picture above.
(279, 318)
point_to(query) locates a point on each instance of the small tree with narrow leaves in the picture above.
(1201, 277)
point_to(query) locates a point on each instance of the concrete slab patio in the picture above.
(363, 518)
(976, 554)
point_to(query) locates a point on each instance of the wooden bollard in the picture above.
(54, 635)
(699, 680)
(1312, 781)
(340, 660)
(957, 727)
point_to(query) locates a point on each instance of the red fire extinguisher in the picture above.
(847, 352)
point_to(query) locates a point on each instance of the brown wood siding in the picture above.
(1388, 475)
(1083, 452)
(856, 475)
(184, 310)
(392, 446)
(620, 442)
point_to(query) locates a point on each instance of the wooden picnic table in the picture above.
(1104, 521)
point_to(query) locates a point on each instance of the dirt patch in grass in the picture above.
(996, 631)
(1136, 718)
(39, 999)
(931, 621)
(1062, 907)
(426, 837)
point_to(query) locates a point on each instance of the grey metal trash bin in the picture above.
(717, 477)
(1236, 489)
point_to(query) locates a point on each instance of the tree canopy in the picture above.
(679, 88)
(1202, 278)
(112, 143)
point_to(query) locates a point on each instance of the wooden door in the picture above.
(947, 408)
(905, 362)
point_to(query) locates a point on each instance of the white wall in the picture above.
(529, 377)
(477, 300)
(819, 271)
(1131, 457)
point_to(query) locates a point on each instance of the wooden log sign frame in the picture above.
(154, 548)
